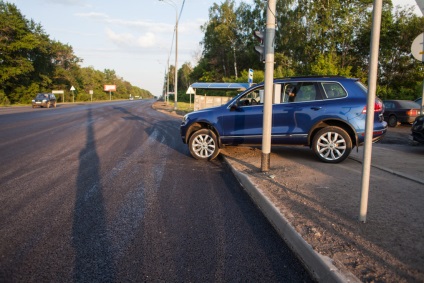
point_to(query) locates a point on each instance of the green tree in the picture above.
(22, 49)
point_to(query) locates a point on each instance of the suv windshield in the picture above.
(41, 96)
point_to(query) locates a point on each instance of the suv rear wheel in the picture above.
(203, 145)
(332, 144)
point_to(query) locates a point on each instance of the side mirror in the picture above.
(233, 107)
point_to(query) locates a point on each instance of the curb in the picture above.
(320, 267)
(406, 176)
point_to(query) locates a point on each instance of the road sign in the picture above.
(250, 79)
(109, 88)
(417, 48)
(72, 88)
(190, 90)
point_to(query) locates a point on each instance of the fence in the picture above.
(202, 101)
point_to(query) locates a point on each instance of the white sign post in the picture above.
(59, 92)
(190, 91)
(72, 89)
(250, 78)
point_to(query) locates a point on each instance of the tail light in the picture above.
(378, 107)
(412, 112)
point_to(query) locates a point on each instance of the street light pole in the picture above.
(172, 3)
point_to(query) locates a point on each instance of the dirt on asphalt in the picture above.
(321, 201)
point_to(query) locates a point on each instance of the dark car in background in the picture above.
(419, 101)
(44, 100)
(325, 113)
(400, 111)
(417, 130)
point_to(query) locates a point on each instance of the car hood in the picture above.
(203, 111)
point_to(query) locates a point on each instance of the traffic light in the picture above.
(260, 35)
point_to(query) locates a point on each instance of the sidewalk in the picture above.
(314, 206)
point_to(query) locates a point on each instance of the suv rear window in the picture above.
(333, 90)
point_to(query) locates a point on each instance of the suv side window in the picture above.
(251, 98)
(333, 90)
(299, 91)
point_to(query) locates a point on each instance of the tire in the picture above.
(393, 122)
(203, 145)
(332, 144)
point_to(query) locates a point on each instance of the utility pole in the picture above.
(172, 3)
(269, 84)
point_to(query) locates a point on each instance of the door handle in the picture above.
(316, 108)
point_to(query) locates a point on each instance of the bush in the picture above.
(4, 100)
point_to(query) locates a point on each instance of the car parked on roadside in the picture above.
(400, 111)
(44, 100)
(419, 100)
(417, 130)
(325, 113)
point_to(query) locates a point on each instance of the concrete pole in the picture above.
(269, 84)
(167, 84)
(369, 127)
(172, 3)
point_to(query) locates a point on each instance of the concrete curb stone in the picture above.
(319, 266)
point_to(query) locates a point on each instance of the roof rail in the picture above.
(314, 76)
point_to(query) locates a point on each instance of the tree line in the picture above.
(30, 62)
(320, 37)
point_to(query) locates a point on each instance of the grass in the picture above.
(183, 106)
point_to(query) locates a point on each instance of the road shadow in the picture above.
(164, 131)
(93, 257)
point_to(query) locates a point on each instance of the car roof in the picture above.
(404, 103)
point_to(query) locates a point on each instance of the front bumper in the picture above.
(39, 103)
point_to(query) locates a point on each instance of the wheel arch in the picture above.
(202, 125)
(337, 123)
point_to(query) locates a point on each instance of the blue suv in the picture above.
(325, 113)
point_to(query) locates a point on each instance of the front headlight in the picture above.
(185, 118)
(33, 100)
(44, 100)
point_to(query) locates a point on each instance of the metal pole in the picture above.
(269, 85)
(176, 62)
(372, 87)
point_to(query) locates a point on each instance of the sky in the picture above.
(132, 37)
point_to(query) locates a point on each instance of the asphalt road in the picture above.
(107, 192)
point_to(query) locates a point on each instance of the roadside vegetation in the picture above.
(323, 37)
(31, 62)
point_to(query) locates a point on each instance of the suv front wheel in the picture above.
(203, 145)
(332, 144)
